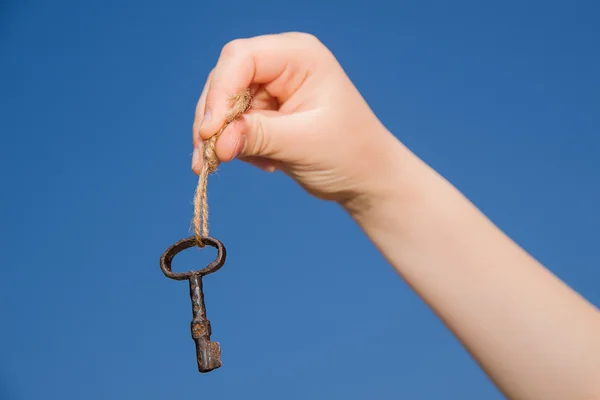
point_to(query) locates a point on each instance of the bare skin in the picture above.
(533, 335)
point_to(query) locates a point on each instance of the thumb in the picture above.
(270, 134)
(256, 135)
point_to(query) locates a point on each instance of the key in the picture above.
(208, 354)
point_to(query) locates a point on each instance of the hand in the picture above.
(309, 120)
(306, 119)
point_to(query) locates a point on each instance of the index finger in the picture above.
(200, 110)
(279, 62)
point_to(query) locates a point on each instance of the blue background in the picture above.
(97, 101)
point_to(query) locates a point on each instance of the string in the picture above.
(238, 105)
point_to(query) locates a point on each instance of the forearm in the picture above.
(534, 336)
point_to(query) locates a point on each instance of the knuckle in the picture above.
(211, 74)
(260, 145)
(310, 45)
(233, 47)
(308, 39)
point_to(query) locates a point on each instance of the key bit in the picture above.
(208, 354)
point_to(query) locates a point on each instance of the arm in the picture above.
(534, 336)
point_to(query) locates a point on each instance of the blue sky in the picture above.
(97, 101)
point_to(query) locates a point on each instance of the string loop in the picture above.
(239, 104)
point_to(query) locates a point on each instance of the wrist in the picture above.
(393, 178)
(405, 199)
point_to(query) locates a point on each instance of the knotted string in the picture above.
(238, 105)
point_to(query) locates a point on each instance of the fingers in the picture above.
(200, 106)
(196, 139)
(280, 62)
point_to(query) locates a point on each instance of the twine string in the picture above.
(238, 105)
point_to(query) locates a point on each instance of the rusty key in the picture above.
(208, 354)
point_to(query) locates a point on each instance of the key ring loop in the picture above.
(171, 252)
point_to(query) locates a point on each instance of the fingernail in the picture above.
(205, 118)
(195, 158)
(240, 146)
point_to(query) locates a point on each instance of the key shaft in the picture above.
(208, 354)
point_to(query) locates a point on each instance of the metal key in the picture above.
(208, 354)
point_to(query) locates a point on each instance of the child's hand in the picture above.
(307, 118)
